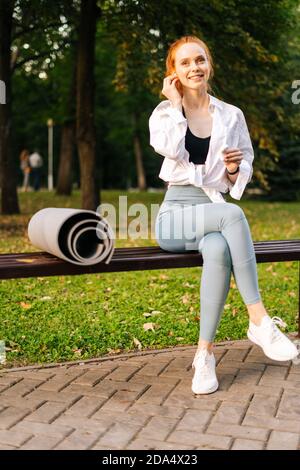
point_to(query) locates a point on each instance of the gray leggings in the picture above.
(189, 220)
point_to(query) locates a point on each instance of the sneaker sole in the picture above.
(211, 390)
(274, 358)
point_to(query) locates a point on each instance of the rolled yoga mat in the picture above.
(79, 236)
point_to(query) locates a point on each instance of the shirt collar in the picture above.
(213, 101)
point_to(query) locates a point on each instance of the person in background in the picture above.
(25, 168)
(36, 163)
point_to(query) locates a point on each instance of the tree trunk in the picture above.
(64, 179)
(8, 173)
(138, 153)
(85, 126)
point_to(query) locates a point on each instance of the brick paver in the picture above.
(144, 401)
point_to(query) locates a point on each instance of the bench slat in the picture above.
(291, 245)
(22, 265)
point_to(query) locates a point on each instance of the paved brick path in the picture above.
(144, 401)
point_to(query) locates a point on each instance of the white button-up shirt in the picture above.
(168, 127)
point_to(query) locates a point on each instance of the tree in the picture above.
(130, 76)
(85, 125)
(21, 21)
(68, 134)
(9, 199)
(254, 68)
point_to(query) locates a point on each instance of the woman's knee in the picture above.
(234, 211)
(214, 247)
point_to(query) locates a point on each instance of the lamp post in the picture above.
(50, 154)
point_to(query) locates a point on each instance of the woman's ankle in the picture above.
(256, 312)
(202, 344)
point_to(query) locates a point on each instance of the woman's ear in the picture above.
(179, 87)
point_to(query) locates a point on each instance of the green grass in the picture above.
(66, 318)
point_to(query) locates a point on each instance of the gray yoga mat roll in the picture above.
(79, 236)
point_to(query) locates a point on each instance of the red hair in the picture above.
(24, 154)
(170, 60)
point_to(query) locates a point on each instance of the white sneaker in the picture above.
(275, 344)
(204, 380)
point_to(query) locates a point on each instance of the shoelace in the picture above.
(203, 363)
(275, 333)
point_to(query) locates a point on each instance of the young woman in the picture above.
(207, 150)
(25, 168)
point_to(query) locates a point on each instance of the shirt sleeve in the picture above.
(167, 132)
(246, 170)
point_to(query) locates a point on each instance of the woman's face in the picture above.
(192, 66)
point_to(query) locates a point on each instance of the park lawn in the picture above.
(67, 318)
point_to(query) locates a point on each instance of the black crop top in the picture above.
(196, 146)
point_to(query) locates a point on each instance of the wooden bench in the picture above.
(22, 265)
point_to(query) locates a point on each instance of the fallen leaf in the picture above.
(25, 305)
(149, 326)
(234, 312)
(137, 343)
(113, 351)
(185, 299)
(155, 312)
(25, 260)
(77, 352)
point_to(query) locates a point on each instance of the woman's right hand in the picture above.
(170, 91)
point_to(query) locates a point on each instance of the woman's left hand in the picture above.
(232, 158)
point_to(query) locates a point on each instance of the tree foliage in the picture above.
(255, 47)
